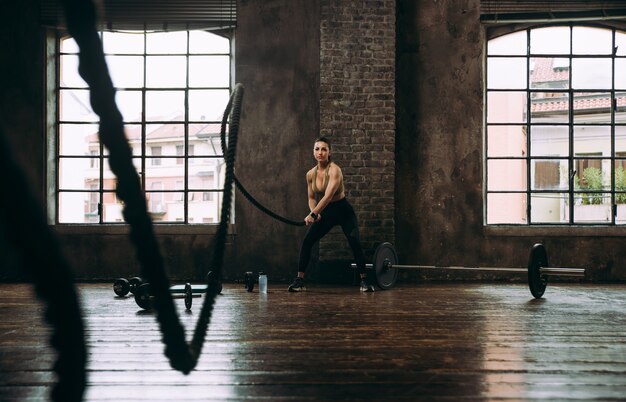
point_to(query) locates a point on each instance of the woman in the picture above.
(325, 181)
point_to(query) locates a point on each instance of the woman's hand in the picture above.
(309, 220)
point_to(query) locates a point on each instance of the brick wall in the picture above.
(357, 113)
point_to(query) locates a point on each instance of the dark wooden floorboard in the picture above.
(441, 342)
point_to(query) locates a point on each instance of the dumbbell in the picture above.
(122, 286)
(143, 296)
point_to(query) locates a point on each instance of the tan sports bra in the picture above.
(325, 183)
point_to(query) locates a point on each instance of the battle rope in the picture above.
(81, 23)
(257, 204)
(249, 196)
(25, 222)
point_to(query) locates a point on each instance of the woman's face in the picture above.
(321, 151)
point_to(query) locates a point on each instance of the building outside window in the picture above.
(172, 89)
(555, 127)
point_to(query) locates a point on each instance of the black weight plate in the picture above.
(188, 296)
(249, 282)
(212, 281)
(134, 282)
(536, 282)
(121, 287)
(385, 277)
(142, 296)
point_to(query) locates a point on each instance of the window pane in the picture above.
(591, 73)
(165, 171)
(592, 208)
(112, 211)
(205, 138)
(78, 173)
(587, 40)
(130, 105)
(75, 106)
(506, 141)
(549, 174)
(506, 72)
(69, 45)
(79, 207)
(166, 71)
(592, 140)
(168, 136)
(204, 208)
(620, 140)
(209, 71)
(109, 179)
(549, 207)
(165, 105)
(620, 42)
(505, 208)
(166, 43)
(549, 73)
(207, 104)
(620, 112)
(69, 72)
(551, 40)
(549, 140)
(620, 180)
(126, 71)
(206, 175)
(506, 175)
(78, 139)
(620, 73)
(592, 108)
(549, 107)
(506, 107)
(592, 174)
(123, 42)
(206, 42)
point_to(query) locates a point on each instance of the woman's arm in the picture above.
(311, 197)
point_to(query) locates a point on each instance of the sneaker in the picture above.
(366, 286)
(297, 285)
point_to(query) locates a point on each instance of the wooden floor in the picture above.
(431, 342)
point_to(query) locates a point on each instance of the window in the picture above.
(172, 89)
(555, 127)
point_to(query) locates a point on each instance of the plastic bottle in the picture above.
(262, 282)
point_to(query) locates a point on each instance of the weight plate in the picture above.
(142, 296)
(134, 283)
(536, 282)
(249, 282)
(188, 296)
(212, 281)
(385, 254)
(121, 287)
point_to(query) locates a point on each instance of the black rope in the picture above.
(25, 222)
(249, 196)
(257, 204)
(81, 20)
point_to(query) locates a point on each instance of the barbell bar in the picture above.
(385, 266)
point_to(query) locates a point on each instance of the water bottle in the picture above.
(262, 282)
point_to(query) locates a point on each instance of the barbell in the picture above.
(385, 266)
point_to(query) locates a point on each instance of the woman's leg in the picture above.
(350, 228)
(317, 230)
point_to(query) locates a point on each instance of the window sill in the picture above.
(556, 231)
(123, 229)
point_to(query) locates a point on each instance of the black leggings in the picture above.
(336, 213)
